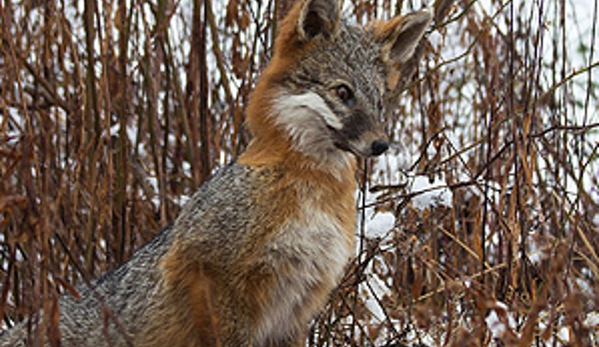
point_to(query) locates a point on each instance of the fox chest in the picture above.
(314, 244)
(307, 258)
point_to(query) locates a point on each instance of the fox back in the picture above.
(257, 250)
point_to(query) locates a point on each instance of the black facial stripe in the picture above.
(356, 124)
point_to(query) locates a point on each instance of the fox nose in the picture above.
(378, 147)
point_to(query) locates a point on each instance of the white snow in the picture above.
(499, 320)
(430, 193)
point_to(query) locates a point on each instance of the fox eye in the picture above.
(345, 94)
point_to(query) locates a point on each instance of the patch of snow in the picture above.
(430, 193)
(563, 334)
(379, 223)
(379, 290)
(186, 166)
(495, 325)
(153, 182)
(592, 321)
(181, 200)
(499, 320)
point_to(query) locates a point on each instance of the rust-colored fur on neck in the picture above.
(288, 50)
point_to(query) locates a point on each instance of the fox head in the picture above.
(324, 89)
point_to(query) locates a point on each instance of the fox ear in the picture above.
(400, 36)
(318, 17)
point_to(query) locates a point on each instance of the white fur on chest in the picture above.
(314, 248)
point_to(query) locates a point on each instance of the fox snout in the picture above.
(369, 148)
(361, 134)
(367, 144)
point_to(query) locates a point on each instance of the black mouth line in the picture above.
(350, 149)
(343, 145)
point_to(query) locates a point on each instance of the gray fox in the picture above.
(259, 247)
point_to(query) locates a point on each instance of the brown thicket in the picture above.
(113, 112)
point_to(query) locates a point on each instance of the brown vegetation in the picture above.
(112, 112)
